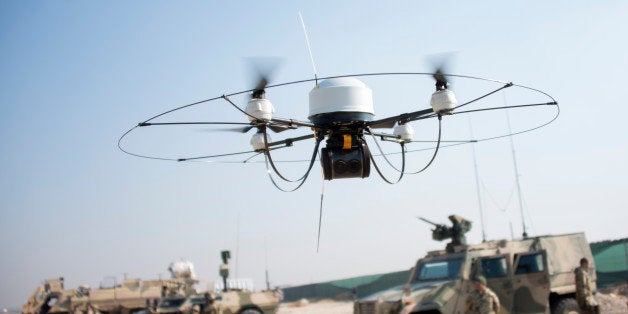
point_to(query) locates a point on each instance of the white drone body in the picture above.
(341, 100)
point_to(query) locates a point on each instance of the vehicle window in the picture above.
(531, 263)
(494, 267)
(439, 270)
(171, 303)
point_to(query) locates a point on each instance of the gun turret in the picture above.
(456, 232)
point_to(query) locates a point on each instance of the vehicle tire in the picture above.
(566, 306)
(250, 311)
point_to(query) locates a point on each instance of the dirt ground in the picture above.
(612, 301)
(318, 307)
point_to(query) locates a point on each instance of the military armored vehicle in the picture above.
(529, 275)
(131, 296)
(228, 301)
(174, 295)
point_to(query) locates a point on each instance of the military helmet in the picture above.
(480, 278)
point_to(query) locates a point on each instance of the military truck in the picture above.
(131, 296)
(228, 301)
(529, 275)
(174, 295)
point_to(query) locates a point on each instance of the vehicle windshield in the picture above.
(197, 300)
(436, 270)
(171, 302)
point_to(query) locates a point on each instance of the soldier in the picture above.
(482, 300)
(77, 310)
(584, 295)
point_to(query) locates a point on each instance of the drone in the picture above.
(341, 117)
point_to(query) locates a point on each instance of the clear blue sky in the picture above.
(76, 75)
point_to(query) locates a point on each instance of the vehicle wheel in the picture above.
(566, 306)
(251, 311)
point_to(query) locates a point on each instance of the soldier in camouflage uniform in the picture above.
(584, 296)
(482, 300)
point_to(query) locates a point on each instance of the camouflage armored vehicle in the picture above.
(229, 301)
(530, 275)
(131, 296)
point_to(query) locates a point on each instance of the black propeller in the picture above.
(277, 128)
(441, 80)
(262, 69)
(441, 63)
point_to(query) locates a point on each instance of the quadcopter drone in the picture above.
(341, 116)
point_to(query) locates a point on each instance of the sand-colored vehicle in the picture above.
(131, 296)
(530, 275)
(230, 302)
(174, 295)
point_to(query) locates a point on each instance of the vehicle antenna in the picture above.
(514, 160)
(320, 216)
(477, 183)
(237, 259)
(266, 260)
(309, 49)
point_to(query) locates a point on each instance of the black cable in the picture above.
(382, 152)
(304, 177)
(484, 96)
(330, 77)
(238, 108)
(285, 121)
(435, 151)
(403, 166)
(272, 164)
(218, 155)
(143, 124)
(182, 107)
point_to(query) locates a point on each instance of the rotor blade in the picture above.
(262, 70)
(238, 130)
(441, 63)
(439, 77)
(277, 128)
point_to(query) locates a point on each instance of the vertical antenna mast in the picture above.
(514, 160)
(237, 259)
(309, 49)
(477, 183)
(266, 260)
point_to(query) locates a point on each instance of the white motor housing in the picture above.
(405, 132)
(343, 99)
(260, 108)
(443, 101)
(257, 141)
